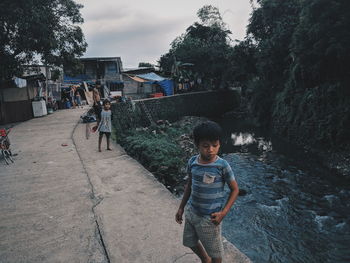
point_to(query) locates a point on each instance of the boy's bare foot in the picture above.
(109, 149)
(99, 150)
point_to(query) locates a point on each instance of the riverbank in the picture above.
(164, 149)
(335, 159)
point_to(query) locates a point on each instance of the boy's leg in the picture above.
(100, 141)
(201, 253)
(211, 238)
(190, 237)
(216, 260)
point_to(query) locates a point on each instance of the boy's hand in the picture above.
(217, 217)
(178, 216)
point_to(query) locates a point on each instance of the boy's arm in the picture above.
(217, 217)
(186, 196)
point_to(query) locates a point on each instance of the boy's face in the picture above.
(208, 150)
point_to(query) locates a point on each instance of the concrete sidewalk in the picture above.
(74, 204)
(45, 197)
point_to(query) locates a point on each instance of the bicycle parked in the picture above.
(5, 146)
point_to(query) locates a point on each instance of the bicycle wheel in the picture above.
(5, 155)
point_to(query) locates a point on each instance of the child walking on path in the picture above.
(204, 193)
(104, 124)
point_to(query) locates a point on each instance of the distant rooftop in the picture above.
(102, 58)
(139, 70)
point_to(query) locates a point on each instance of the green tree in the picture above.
(271, 29)
(321, 43)
(206, 45)
(39, 30)
(146, 64)
(243, 62)
(210, 16)
(301, 50)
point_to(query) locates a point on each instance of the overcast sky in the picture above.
(141, 31)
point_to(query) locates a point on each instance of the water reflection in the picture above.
(245, 139)
(239, 139)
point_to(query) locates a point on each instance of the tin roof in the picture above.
(151, 77)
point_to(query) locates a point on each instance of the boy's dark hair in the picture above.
(208, 130)
(106, 101)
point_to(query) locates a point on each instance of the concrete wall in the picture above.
(130, 86)
(15, 111)
(112, 71)
(208, 104)
(14, 94)
(18, 94)
(16, 105)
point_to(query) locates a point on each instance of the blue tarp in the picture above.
(167, 86)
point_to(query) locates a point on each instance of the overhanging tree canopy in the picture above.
(39, 30)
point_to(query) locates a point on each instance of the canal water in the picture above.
(294, 210)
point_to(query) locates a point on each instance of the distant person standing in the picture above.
(78, 98)
(71, 96)
(104, 124)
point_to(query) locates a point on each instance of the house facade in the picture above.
(106, 71)
(16, 95)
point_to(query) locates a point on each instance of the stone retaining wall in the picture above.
(133, 114)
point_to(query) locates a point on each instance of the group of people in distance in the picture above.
(77, 98)
(73, 97)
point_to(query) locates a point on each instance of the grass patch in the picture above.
(163, 149)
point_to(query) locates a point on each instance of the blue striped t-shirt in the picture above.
(208, 181)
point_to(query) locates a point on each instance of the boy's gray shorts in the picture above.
(201, 228)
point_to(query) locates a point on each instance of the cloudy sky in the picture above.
(141, 31)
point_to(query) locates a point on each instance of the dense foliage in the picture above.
(206, 46)
(302, 54)
(39, 30)
(293, 65)
(146, 64)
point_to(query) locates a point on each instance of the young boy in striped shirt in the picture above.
(205, 195)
